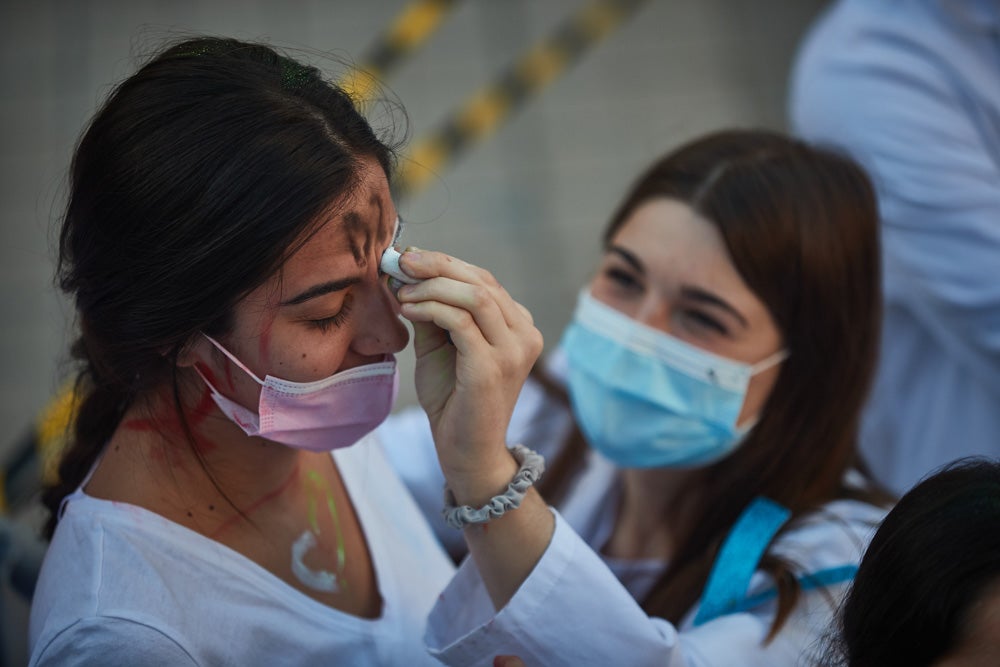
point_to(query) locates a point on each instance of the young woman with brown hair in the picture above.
(716, 366)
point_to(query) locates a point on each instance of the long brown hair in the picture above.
(800, 224)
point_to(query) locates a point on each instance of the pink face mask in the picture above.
(319, 416)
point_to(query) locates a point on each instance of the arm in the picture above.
(475, 346)
(573, 611)
(534, 588)
(539, 421)
(928, 136)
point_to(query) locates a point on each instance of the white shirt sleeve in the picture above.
(573, 611)
(539, 422)
(111, 642)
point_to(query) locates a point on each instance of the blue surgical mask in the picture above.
(645, 399)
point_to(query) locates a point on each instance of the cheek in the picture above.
(231, 381)
(758, 392)
(309, 355)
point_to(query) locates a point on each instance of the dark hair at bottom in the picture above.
(931, 560)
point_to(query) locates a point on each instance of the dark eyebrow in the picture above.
(629, 258)
(709, 298)
(320, 290)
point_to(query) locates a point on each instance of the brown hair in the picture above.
(800, 224)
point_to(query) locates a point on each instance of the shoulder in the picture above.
(103, 556)
(114, 570)
(834, 535)
(110, 642)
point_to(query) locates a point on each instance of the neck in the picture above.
(211, 468)
(642, 529)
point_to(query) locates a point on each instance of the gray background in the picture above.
(528, 202)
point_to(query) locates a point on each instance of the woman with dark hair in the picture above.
(228, 209)
(927, 593)
(715, 368)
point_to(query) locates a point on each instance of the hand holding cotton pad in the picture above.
(390, 265)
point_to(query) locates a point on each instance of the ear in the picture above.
(196, 350)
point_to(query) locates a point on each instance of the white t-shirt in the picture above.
(579, 608)
(124, 586)
(572, 610)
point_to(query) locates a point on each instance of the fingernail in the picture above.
(413, 256)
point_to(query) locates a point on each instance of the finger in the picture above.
(428, 337)
(479, 301)
(425, 264)
(436, 264)
(461, 326)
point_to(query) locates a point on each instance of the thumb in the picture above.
(428, 337)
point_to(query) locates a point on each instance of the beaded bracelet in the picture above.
(532, 466)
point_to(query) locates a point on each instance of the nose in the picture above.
(378, 329)
(654, 312)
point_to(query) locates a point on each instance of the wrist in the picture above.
(460, 514)
(476, 486)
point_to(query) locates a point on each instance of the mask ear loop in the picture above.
(760, 367)
(231, 358)
(770, 361)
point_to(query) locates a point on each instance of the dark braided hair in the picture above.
(188, 189)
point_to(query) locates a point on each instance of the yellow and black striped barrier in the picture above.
(33, 459)
(411, 28)
(486, 109)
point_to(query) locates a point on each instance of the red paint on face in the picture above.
(264, 342)
(207, 373)
(204, 408)
(229, 377)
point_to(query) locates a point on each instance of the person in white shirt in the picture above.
(912, 91)
(708, 512)
(228, 209)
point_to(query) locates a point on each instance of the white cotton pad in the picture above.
(390, 265)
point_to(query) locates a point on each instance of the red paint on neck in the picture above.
(257, 504)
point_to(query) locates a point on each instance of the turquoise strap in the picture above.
(807, 582)
(725, 592)
(737, 561)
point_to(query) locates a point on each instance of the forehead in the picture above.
(676, 244)
(353, 226)
(342, 243)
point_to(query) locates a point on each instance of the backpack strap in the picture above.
(737, 561)
(729, 580)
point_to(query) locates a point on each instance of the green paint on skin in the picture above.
(315, 482)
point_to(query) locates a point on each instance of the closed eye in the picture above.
(622, 278)
(701, 319)
(324, 324)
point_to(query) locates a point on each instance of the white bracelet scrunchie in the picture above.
(532, 466)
